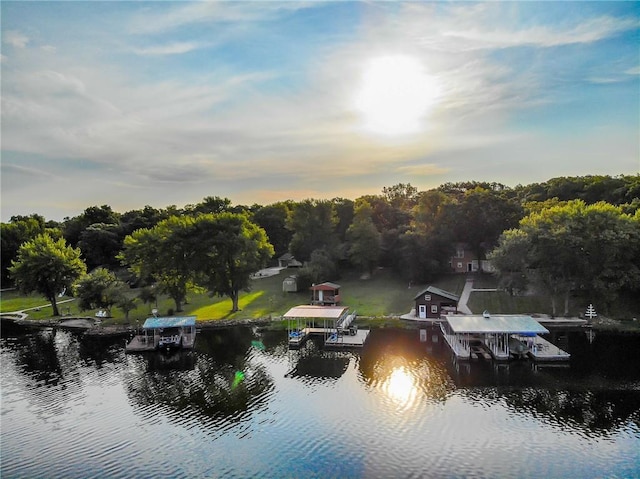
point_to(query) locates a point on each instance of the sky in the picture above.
(165, 103)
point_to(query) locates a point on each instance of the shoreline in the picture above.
(90, 327)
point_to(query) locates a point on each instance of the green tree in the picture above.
(590, 250)
(321, 267)
(13, 234)
(230, 248)
(100, 244)
(273, 219)
(94, 290)
(363, 239)
(72, 228)
(511, 259)
(479, 217)
(47, 266)
(168, 253)
(123, 299)
(313, 225)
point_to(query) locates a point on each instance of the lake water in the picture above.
(242, 405)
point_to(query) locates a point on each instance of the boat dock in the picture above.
(337, 326)
(171, 333)
(499, 338)
(141, 343)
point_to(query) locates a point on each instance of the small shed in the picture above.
(433, 302)
(325, 294)
(287, 260)
(290, 284)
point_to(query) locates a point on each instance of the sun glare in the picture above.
(400, 387)
(395, 95)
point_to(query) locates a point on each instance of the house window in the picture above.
(434, 308)
(427, 297)
(460, 253)
(459, 265)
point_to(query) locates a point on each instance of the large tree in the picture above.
(100, 244)
(273, 219)
(13, 234)
(511, 259)
(479, 217)
(168, 253)
(48, 267)
(313, 223)
(231, 248)
(97, 290)
(590, 250)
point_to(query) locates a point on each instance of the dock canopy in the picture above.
(315, 312)
(171, 322)
(496, 324)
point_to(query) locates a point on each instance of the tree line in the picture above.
(570, 235)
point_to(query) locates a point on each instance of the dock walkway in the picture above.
(543, 350)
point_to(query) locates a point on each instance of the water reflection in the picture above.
(202, 383)
(311, 364)
(400, 387)
(397, 363)
(242, 405)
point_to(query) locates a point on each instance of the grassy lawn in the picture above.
(382, 295)
(502, 302)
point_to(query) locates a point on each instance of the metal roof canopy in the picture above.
(172, 322)
(504, 323)
(315, 312)
(439, 292)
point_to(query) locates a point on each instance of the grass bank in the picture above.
(383, 295)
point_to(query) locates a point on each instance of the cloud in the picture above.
(170, 49)
(427, 169)
(588, 31)
(162, 20)
(15, 38)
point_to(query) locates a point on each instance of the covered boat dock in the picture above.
(335, 323)
(500, 337)
(164, 332)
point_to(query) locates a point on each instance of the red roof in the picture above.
(325, 287)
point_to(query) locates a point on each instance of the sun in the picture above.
(395, 95)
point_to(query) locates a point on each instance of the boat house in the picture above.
(499, 337)
(167, 333)
(335, 323)
(434, 302)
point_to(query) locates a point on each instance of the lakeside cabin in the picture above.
(334, 323)
(433, 302)
(164, 333)
(499, 337)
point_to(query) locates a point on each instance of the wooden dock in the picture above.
(347, 340)
(543, 350)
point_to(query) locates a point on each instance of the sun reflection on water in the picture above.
(400, 386)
